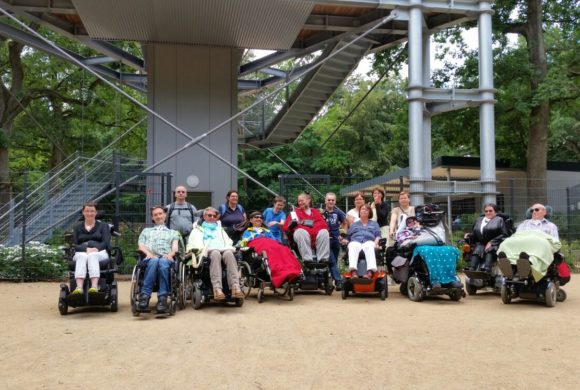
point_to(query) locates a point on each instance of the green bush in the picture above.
(42, 262)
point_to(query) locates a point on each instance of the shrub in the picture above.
(42, 262)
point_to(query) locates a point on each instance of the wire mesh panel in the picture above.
(316, 185)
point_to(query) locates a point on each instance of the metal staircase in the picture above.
(54, 200)
(308, 98)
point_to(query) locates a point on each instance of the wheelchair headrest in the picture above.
(549, 211)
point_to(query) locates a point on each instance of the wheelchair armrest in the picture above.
(139, 255)
(117, 253)
(292, 225)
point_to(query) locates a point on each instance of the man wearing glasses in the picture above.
(211, 240)
(335, 219)
(539, 222)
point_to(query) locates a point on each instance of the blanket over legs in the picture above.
(283, 265)
(441, 262)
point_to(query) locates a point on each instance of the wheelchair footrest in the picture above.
(359, 280)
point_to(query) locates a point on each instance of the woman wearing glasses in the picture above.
(211, 240)
(282, 263)
(488, 232)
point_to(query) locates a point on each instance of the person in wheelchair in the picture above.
(159, 245)
(92, 244)
(363, 235)
(283, 265)
(410, 232)
(487, 233)
(211, 240)
(308, 229)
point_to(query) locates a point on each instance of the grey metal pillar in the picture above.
(486, 110)
(416, 104)
(427, 150)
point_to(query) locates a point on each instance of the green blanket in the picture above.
(537, 244)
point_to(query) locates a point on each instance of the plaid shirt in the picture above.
(544, 225)
(158, 239)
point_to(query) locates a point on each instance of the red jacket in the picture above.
(319, 222)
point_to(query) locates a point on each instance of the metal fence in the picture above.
(127, 207)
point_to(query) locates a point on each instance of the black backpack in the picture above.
(429, 214)
(172, 207)
(508, 222)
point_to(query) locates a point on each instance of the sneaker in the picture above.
(218, 294)
(93, 290)
(143, 302)
(162, 305)
(77, 291)
(338, 285)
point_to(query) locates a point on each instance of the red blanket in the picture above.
(283, 265)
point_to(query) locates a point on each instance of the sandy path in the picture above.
(315, 342)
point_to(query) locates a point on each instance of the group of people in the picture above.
(317, 234)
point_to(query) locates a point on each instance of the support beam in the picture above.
(486, 110)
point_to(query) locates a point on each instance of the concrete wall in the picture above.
(195, 88)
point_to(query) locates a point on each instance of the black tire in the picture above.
(344, 292)
(246, 278)
(239, 302)
(62, 305)
(134, 290)
(173, 307)
(471, 289)
(114, 298)
(196, 298)
(383, 294)
(260, 295)
(291, 293)
(561, 295)
(506, 294)
(181, 292)
(403, 288)
(328, 287)
(455, 295)
(414, 289)
(551, 294)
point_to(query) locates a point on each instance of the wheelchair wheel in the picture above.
(291, 293)
(551, 295)
(260, 295)
(62, 305)
(414, 289)
(403, 288)
(455, 295)
(135, 290)
(561, 295)
(383, 294)
(471, 289)
(114, 297)
(172, 307)
(181, 286)
(196, 298)
(344, 292)
(239, 302)
(328, 287)
(506, 294)
(246, 278)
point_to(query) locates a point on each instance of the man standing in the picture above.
(159, 245)
(539, 222)
(181, 214)
(335, 218)
(274, 217)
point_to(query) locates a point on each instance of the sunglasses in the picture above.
(211, 215)
(536, 210)
(258, 217)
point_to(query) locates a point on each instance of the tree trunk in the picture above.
(537, 152)
(10, 107)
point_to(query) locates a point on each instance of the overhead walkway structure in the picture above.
(191, 68)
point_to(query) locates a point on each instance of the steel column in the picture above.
(486, 110)
(427, 151)
(416, 105)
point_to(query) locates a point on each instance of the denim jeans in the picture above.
(333, 259)
(157, 269)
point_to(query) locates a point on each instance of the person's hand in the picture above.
(487, 246)
(466, 236)
(392, 234)
(170, 256)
